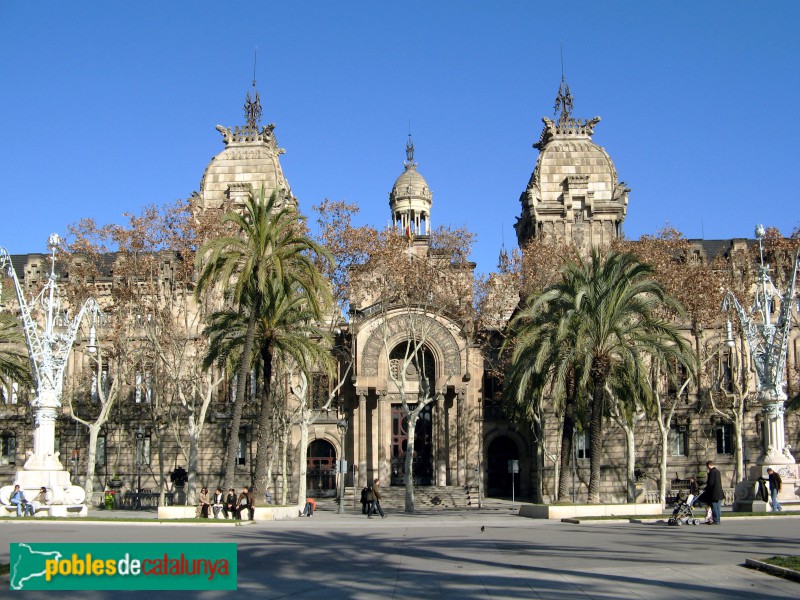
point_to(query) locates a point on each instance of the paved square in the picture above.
(446, 555)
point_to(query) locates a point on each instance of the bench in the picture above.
(53, 510)
(13, 509)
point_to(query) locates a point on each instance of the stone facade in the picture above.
(574, 194)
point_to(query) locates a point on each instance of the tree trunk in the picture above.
(303, 461)
(91, 453)
(284, 466)
(630, 460)
(596, 435)
(191, 485)
(409, 475)
(161, 478)
(538, 463)
(567, 441)
(241, 389)
(738, 450)
(260, 478)
(662, 463)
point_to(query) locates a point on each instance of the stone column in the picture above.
(461, 440)
(360, 440)
(441, 443)
(383, 438)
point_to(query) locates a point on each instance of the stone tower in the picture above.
(573, 194)
(249, 161)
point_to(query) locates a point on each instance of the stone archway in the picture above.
(501, 449)
(437, 337)
(321, 474)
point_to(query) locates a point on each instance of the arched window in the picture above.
(422, 366)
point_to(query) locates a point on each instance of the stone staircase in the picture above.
(425, 497)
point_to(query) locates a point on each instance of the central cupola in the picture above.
(410, 199)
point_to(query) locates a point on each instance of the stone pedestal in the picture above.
(64, 499)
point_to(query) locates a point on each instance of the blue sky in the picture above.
(110, 106)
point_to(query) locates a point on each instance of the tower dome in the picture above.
(248, 163)
(410, 199)
(574, 193)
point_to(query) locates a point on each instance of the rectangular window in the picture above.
(241, 450)
(100, 452)
(94, 393)
(677, 440)
(143, 455)
(726, 373)
(137, 394)
(320, 390)
(8, 449)
(583, 445)
(14, 392)
(105, 381)
(725, 439)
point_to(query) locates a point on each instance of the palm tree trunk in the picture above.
(596, 434)
(241, 388)
(567, 440)
(262, 455)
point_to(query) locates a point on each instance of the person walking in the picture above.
(375, 505)
(714, 494)
(775, 483)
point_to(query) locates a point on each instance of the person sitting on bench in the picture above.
(24, 508)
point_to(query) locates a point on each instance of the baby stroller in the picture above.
(683, 513)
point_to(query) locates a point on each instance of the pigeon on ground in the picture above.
(483, 528)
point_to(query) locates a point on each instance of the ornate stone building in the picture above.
(462, 439)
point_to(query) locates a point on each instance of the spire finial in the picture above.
(252, 106)
(410, 147)
(564, 101)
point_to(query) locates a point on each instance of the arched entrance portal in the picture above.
(423, 446)
(321, 475)
(501, 450)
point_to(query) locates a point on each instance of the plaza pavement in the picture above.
(444, 554)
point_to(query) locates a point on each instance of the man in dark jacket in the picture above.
(714, 494)
(775, 483)
(376, 503)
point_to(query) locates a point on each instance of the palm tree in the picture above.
(544, 359)
(618, 331)
(14, 365)
(596, 329)
(267, 250)
(286, 330)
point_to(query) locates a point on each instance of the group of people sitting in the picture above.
(24, 507)
(230, 505)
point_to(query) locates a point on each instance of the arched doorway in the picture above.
(423, 447)
(321, 475)
(501, 450)
(421, 370)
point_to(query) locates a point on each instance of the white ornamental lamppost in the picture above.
(48, 349)
(768, 341)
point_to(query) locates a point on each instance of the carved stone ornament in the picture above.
(438, 336)
(773, 409)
